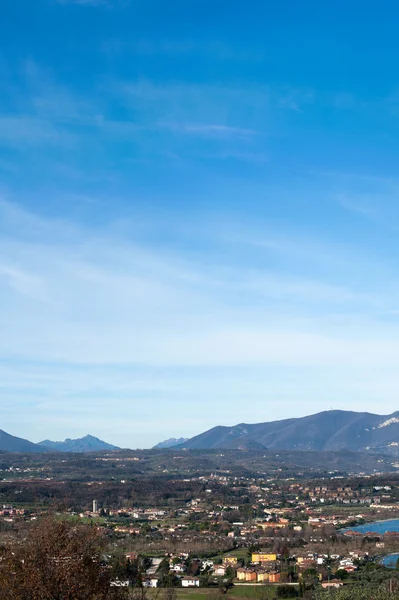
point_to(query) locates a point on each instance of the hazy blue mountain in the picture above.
(170, 443)
(10, 443)
(88, 443)
(330, 430)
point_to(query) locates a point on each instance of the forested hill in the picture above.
(330, 430)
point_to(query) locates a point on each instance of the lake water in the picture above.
(377, 527)
(381, 527)
(390, 561)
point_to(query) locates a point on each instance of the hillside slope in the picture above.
(170, 443)
(330, 430)
(10, 443)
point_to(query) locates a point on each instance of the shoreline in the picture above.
(371, 523)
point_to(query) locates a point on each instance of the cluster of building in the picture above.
(10, 513)
(341, 494)
(264, 567)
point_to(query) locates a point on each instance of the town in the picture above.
(221, 529)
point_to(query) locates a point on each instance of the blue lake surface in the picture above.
(377, 527)
(381, 527)
(390, 561)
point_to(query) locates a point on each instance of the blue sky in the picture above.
(199, 214)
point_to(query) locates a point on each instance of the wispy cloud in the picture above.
(137, 294)
(27, 131)
(194, 103)
(210, 130)
(22, 282)
(93, 2)
(44, 113)
(213, 50)
(93, 314)
(361, 205)
(52, 116)
(295, 99)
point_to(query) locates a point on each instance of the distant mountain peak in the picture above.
(170, 443)
(88, 443)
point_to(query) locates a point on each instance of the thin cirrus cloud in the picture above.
(362, 205)
(150, 304)
(87, 310)
(213, 50)
(156, 118)
(30, 131)
(210, 130)
(94, 3)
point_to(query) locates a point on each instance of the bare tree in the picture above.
(169, 594)
(58, 560)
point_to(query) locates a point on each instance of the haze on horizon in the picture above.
(198, 215)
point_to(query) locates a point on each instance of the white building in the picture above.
(190, 582)
(118, 583)
(179, 568)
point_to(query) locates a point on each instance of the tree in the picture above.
(342, 574)
(58, 560)
(286, 591)
(168, 580)
(169, 594)
(309, 578)
(226, 584)
(163, 567)
(355, 592)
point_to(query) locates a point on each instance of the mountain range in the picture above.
(330, 430)
(170, 443)
(11, 443)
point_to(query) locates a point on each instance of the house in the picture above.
(178, 568)
(118, 583)
(306, 563)
(190, 582)
(260, 557)
(230, 561)
(247, 575)
(263, 576)
(219, 571)
(131, 555)
(352, 533)
(333, 583)
(274, 577)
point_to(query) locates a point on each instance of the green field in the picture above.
(238, 552)
(242, 592)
